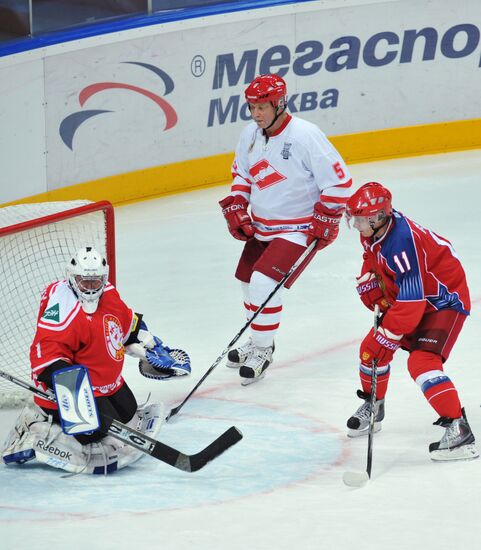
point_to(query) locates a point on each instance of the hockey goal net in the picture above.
(36, 242)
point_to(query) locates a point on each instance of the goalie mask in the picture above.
(87, 274)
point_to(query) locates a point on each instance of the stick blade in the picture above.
(229, 438)
(355, 479)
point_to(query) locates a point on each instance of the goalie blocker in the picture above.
(76, 402)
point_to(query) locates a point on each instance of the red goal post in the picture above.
(36, 242)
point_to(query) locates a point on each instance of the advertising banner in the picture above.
(178, 95)
(173, 92)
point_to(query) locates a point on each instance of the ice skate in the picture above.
(257, 362)
(237, 357)
(457, 442)
(358, 424)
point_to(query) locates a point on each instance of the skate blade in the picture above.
(355, 479)
(466, 452)
(248, 381)
(359, 433)
(232, 365)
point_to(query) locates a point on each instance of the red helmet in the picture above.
(369, 199)
(267, 87)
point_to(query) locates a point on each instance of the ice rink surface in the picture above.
(281, 486)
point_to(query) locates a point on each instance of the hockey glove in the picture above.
(238, 220)
(156, 360)
(76, 403)
(370, 292)
(163, 358)
(161, 362)
(379, 346)
(324, 225)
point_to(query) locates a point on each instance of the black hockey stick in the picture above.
(149, 446)
(279, 285)
(359, 479)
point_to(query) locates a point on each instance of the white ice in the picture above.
(281, 486)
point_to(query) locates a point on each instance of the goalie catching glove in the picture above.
(162, 362)
(157, 361)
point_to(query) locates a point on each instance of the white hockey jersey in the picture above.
(286, 175)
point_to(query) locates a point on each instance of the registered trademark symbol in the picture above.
(197, 65)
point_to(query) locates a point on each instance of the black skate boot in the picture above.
(457, 442)
(256, 364)
(237, 357)
(358, 424)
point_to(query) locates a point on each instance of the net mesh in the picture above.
(30, 260)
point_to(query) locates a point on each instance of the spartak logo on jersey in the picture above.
(114, 337)
(264, 175)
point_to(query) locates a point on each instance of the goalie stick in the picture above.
(149, 446)
(279, 285)
(359, 479)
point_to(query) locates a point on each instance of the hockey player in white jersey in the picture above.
(296, 185)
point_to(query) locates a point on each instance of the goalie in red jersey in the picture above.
(84, 322)
(419, 284)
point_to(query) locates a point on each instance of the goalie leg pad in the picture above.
(148, 419)
(36, 437)
(17, 446)
(76, 402)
